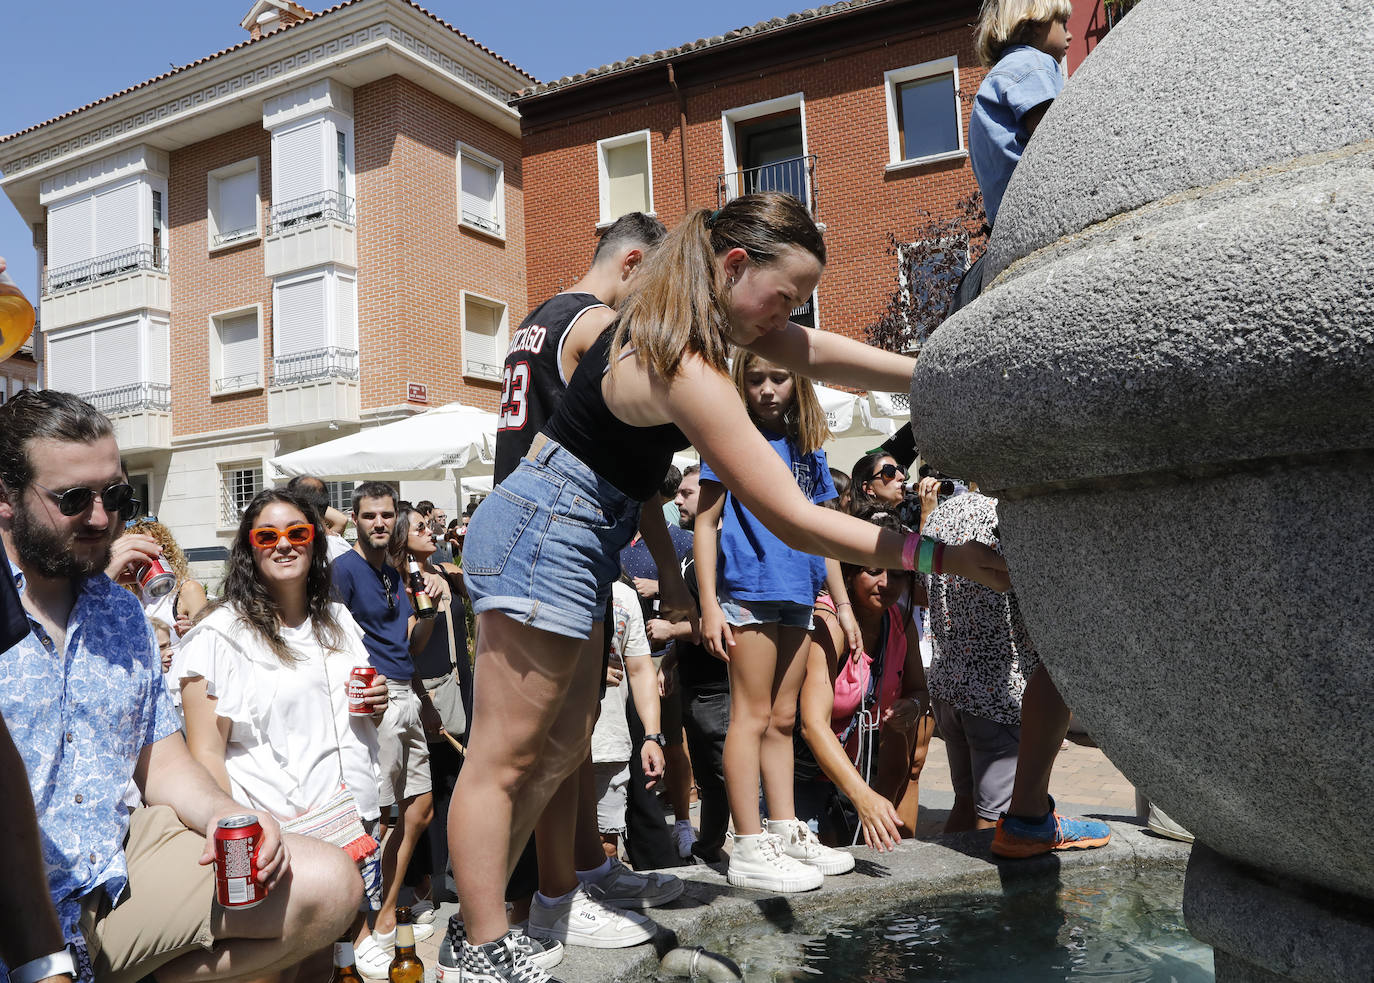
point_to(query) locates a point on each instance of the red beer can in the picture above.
(236, 862)
(155, 579)
(360, 679)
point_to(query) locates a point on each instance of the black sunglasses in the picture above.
(118, 499)
(887, 472)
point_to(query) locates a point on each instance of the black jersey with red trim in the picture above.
(532, 382)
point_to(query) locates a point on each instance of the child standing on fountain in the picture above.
(1023, 43)
(760, 626)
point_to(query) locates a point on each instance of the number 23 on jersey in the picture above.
(515, 387)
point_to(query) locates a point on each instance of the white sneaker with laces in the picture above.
(373, 958)
(422, 913)
(582, 920)
(621, 887)
(685, 836)
(759, 861)
(799, 843)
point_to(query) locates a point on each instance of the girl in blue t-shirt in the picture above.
(1022, 42)
(760, 626)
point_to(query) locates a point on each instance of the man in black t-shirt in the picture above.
(704, 688)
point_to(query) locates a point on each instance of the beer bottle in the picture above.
(16, 317)
(424, 607)
(405, 965)
(344, 969)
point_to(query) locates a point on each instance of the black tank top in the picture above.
(634, 459)
(532, 379)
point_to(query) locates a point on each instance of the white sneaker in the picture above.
(759, 861)
(422, 913)
(582, 920)
(373, 958)
(621, 887)
(422, 932)
(799, 843)
(685, 836)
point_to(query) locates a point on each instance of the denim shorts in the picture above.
(543, 547)
(789, 614)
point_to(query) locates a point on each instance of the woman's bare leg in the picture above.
(753, 664)
(777, 756)
(530, 728)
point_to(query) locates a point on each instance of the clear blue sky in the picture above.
(65, 55)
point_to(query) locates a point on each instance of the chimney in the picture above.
(272, 15)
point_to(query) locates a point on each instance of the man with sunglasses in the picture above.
(83, 697)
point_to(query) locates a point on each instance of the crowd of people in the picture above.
(778, 636)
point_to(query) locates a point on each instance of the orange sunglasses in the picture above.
(267, 537)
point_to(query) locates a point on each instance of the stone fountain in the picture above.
(1169, 383)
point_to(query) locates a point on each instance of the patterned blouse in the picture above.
(80, 719)
(982, 654)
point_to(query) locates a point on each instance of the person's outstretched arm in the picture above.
(31, 927)
(828, 357)
(716, 636)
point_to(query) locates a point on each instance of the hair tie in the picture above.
(711, 219)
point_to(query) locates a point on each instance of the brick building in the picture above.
(318, 229)
(860, 109)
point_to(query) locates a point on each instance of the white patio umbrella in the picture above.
(451, 440)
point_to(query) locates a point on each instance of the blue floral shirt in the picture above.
(80, 720)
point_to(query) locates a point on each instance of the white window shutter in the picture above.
(159, 351)
(627, 177)
(299, 321)
(481, 323)
(116, 218)
(69, 363)
(345, 314)
(115, 351)
(478, 190)
(69, 233)
(238, 200)
(298, 163)
(240, 348)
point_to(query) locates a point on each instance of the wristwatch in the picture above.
(658, 739)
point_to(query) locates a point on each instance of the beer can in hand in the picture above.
(236, 862)
(360, 679)
(155, 579)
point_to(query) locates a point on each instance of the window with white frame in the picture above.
(484, 336)
(235, 351)
(119, 365)
(105, 232)
(340, 495)
(481, 191)
(234, 210)
(928, 272)
(312, 172)
(314, 326)
(238, 484)
(625, 175)
(924, 119)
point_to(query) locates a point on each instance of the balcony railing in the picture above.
(131, 399)
(311, 366)
(145, 257)
(248, 380)
(796, 176)
(234, 235)
(323, 206)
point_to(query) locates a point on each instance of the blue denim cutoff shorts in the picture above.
(789, 614)
(543, 547)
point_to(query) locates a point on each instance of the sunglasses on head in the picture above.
(887, 472)
(118, 499)
(267, 537)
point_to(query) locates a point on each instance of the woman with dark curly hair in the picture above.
(265, 678)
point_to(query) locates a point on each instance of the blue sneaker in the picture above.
(1016, 838)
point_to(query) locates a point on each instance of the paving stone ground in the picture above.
(1084, 782)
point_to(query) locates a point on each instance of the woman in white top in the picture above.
(264, 675)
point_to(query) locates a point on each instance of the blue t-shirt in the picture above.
(1023, 78)
(756, 565)
(362, 589)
